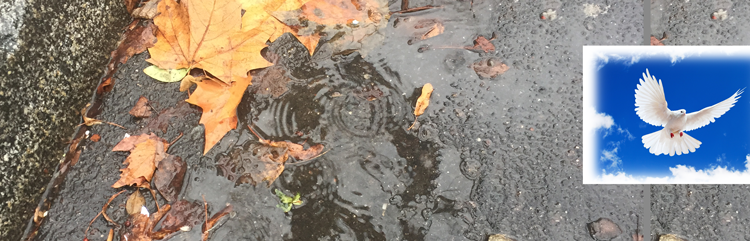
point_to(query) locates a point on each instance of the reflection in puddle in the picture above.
(377, 182)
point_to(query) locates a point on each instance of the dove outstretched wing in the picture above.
(709, 114)
(651, 105)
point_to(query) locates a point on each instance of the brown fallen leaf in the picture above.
(135, 202)
(161, 121)
(208, 34)
(147, 11)
(219, 103)
(483, 44)
(422, 102)
(355, 17)
(182, 215)
(262, 163)
(295, 150)
(426, 28)
(139, 37)
(95, 137)
(265, 162)
(270, 81)
(657, 42)
(73, 153)
(169, 176)
(141, 225)
(489, 67)
(146, 151)
(369, 92)
(141, 108)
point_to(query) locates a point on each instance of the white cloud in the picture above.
(596, 120)
(626, 133)
(611, 155)
(682, 174)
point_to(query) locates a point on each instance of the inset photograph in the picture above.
(666, 115)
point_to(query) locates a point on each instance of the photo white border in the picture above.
(592, 55)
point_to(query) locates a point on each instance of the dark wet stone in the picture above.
(604, 229)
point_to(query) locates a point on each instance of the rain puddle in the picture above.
(377, 179)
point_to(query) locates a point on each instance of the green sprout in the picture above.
(287, 201)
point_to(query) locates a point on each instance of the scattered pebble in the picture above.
(593, 10)
(550, 14)
(721, 14)
(604, 229)
(671, 237)
(499, 237)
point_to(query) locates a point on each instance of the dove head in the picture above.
(680, 112)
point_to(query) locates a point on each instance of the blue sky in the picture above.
(690, 82)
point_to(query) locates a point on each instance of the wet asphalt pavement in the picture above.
(490, 156)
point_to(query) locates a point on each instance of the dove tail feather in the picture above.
(660, 142)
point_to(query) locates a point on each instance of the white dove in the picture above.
(651, 107)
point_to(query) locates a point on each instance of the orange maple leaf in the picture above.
(146, 151)
(219, 103)
(208, 34)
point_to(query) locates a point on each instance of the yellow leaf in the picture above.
(165, 75)
(422, 102)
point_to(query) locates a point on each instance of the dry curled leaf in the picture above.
(146, 151)
(134, 203)
(489, 68)
(422, 102)
(141, 108)
(219, 103)
(483, 44)
(147, 11)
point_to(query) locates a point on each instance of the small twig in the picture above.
(417, 9)
(104, 209)
(153, 194)
(205, 208)
(308, 160)
(174, 141)
(257, 135)
(412, 124)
